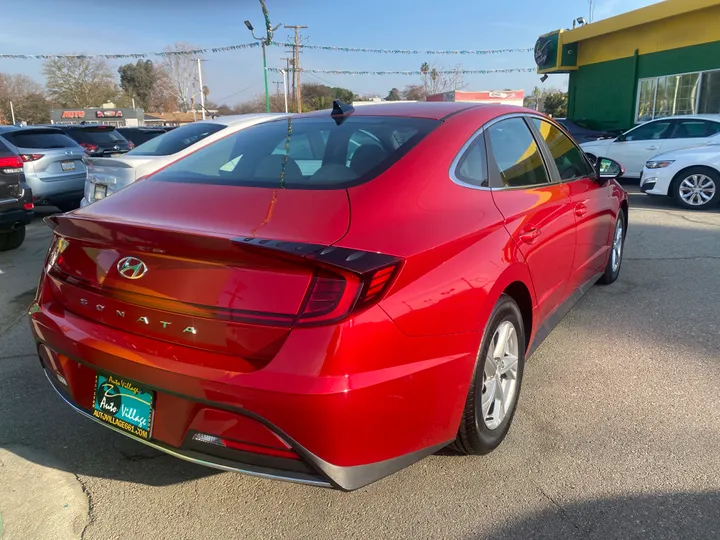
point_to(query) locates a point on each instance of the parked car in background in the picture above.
(285, 303)
(98, 140)
(140, 135)
(691, 176)
(582, 134)
(52, 164)
(635, 147)
(106, 176)
(16, 204)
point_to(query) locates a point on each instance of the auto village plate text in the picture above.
(123, 404)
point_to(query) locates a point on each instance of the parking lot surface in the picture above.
(616, 435)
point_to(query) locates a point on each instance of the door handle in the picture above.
(530, 235)
(581, 210)
(653, 147)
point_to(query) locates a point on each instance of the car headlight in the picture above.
(659, 164)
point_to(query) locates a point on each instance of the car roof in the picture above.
(715, 117)
(434, 110)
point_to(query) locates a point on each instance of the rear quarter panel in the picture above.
(458, 255)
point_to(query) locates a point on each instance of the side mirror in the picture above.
(608, 169)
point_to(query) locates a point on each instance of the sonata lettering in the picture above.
(143, 320)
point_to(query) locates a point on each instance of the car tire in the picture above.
(696, 178)
(495, 386)
(12, 239)
(617, 249)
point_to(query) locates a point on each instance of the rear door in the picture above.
(538, 212)
(591, 201)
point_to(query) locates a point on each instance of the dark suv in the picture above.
(16, 203)
(140, 135)
(98, 141)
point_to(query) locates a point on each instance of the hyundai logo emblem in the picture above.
(131, 268)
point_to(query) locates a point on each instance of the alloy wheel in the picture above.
(617, 245)
(697, 189)
(500, 376)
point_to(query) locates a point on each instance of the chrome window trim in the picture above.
(456, 162)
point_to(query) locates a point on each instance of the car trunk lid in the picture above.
(181, 273)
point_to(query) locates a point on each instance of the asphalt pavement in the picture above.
(616, 436)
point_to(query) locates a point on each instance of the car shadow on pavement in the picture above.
(657, 516)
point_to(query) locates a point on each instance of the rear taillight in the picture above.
(28, 206)
(131, 145)
(30, 157)
(345, 281)
(89, 148)
(11, 165)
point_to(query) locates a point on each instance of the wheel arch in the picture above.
(679, 175)
(520, 293)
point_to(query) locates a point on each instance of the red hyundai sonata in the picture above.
(329, 297)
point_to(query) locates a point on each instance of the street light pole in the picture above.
(267, 91)
(263, 42)
(202, 88)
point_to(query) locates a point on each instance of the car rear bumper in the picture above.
(12, 217)
(304, 424)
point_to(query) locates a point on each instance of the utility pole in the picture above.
(296, 63)
(202, 88)
(12, 112)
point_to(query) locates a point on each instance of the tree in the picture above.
(319, 96)
(414, 92)
(181, 67)
(438, 80)
(393, 95)
(162, 98)
(343, 94)
(79, 82)
(556, 104)
(29, 102)
(138, 81)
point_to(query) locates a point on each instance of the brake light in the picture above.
(30, 157)
(89, 148)
(131, 145)
(12, 162)
(28, 206)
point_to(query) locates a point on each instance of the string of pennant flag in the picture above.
(198, 52)
(454, 71)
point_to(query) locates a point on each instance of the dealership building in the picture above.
(662, 60)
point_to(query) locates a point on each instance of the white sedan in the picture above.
(691, 176)
(108, 175)
(635, 147)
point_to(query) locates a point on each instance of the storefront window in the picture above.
(710, 93)
(676, 95)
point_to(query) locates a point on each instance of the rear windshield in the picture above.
(178, 139)
(303, 153)
(39, 139)
(138, 136)
(97, 136)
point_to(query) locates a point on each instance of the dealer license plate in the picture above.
(67, 166)
(123, 404)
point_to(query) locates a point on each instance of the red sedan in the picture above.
(329, 297)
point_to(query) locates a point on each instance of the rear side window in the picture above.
(97, 136)
(472, 165)
(303, 153)
(39, 139)
(178, 139)
(569, 159)
(692, 129)
(516, 154)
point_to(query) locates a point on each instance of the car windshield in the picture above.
(39, 139)
(178, 139)
(97, 135)
(304, 153)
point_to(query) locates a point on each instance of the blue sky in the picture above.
(92, 27)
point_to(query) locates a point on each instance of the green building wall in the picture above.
(603, 95)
